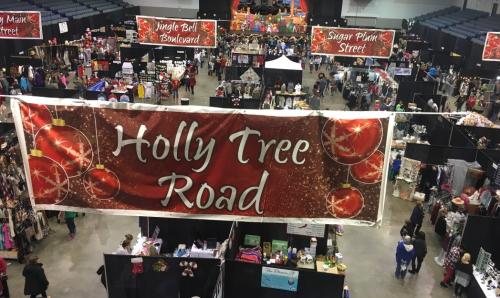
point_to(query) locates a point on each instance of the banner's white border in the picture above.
(40, 27)
(361, 29)
(15, 106)
(175, 19)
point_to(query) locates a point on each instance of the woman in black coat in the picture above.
(36, 282)
(420, 252)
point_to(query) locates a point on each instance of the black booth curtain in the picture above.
(243, 280)
(482, 231)
(122, 283)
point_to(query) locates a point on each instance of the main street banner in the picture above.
(491, 50)
(177, 32)
(20, 25)
(198, 162)
(352, 42)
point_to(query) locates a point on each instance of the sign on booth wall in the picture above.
(20, 25)
(491, 50)
(352, 42)
(176, 32)
(280, 279)
(298, 167)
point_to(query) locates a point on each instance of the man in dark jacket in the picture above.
(36, 282)
(420, 251)
(417, 216)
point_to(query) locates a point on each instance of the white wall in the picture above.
(183, 4)
(397, 9)
(167, 8)
(483, 5)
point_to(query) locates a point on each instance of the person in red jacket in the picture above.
(4, 288)
(192, 83)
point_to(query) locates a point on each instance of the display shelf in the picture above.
(331, 270)
(487, 293)
(8, 254)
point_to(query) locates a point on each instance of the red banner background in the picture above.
(20, 25)
(289, 167)
(177, 32)
(491, 51)
(352, 42)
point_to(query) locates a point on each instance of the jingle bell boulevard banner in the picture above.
(491, 50)
(20, 25)
(352, 42)
(177, 32)
(304, 167)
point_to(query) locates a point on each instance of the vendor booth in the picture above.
(282, 70)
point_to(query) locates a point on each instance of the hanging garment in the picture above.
(148, 93)
(25, 85)
(140, 90)
(7, 243)
(38, 229)
(30, 72)
(11, 224)
(435, 212)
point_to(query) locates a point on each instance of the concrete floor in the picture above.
(369, 252)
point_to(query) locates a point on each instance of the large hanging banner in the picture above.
(491, 50)
(20, 25)
(352, 42)
(137, 159)
(177, 32)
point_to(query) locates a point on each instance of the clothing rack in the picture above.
(20, 226)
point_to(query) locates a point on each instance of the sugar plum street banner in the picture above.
(177, 32)
(137, 159)
(352, 42)
(491, 50)
(20, 25)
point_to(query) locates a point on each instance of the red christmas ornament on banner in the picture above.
(34, 117)
(50, 181)
(370, 170)
(349, 141)
(345, 202)
(67, 146)
(101, 183)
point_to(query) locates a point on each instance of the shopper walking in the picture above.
(420, 252)
(407, 229)
(175, 90)
(463, 273)
(417, 216)
(450, 263)
(192, 83)
(396, 166)
(4, 288)
(36, 282)
(404, 254)
(69, 217)
(317, 63)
